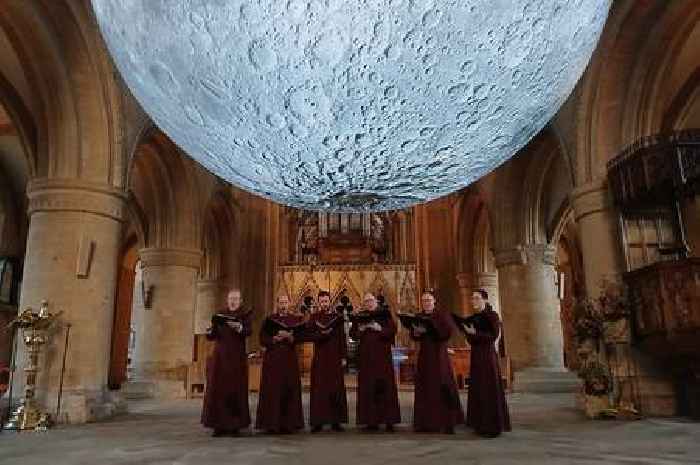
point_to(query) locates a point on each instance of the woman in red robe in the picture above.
(329, 405)
(225, 406)
(437, 406)
(377, 396)
(279, 403)
(487, 410)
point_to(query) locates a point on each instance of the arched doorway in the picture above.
(122, 337)
(15, 172)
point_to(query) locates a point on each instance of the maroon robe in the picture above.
(329, 403)
(487, 411)
(377, 396)
(226, 397)
(279, 403)
(437, 406)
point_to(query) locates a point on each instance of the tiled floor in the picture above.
(547, 430)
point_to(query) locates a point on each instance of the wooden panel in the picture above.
(121, 329)
(666, 306)
(461, 362)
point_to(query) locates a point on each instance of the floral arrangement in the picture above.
(590, 315)
(596, 378)
(4, 378)
(588, 320)
(614, 302)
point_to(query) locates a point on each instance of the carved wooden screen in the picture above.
(648, 237)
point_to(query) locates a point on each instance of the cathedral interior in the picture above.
(134, 245)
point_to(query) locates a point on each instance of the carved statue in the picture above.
(378, 238)
(309, 238)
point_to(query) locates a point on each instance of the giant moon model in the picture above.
(351, 105)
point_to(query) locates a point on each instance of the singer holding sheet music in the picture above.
(437, 407)
(487, 411)
(225, 406)
(377, 396)
(279, 404)
(329, 405)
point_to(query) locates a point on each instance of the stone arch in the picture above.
(687, 99)
(616, 101)
(544, 151)
(77, 108)
(15, 173)
(164, 186)
(220, 238)
(22, 122)
(666, 68)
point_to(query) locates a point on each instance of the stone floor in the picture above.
(547, 430)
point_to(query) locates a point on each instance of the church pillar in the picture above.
(71, 262)
(530, 306)
(464, 283)
(164, 340)
(209, 299)
(602, 260)
(488, 281)
(598, 233)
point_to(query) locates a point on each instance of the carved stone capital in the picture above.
(69, 195)
(210, 285)
(590, 198)
(486, 279)
(510, 257)
(544, 253)
(521, 255)
(189, 258)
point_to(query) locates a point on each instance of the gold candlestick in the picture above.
(28, 415)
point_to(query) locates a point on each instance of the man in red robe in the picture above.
(225, 406)
(329, 403)
(437, 406)
(279, 403)
(487, 411)
(377, 396)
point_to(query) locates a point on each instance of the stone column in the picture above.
(71, 261)
(209, 299)
(165, 339)
(465, 285)
(530, 306)
(488, 281)
(598, 233)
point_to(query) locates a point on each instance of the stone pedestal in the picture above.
(165, 337)
(71, 261)
(530, 306)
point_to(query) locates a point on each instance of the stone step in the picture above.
(138, 390)
(545, 380)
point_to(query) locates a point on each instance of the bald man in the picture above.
(225, 406)
(377, 396)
